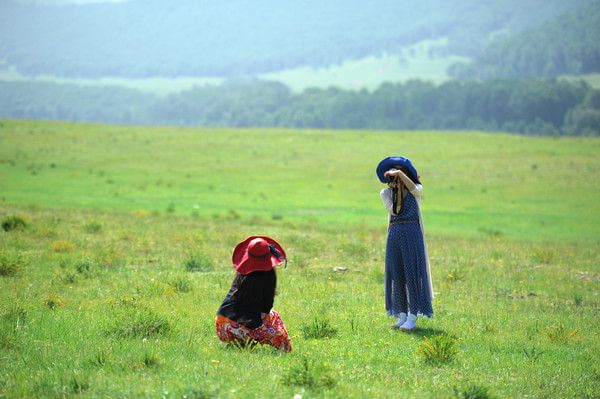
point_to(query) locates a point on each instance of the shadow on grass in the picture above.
(421, 332)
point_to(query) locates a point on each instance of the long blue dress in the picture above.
(406, 279)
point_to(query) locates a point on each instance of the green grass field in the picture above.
(110, 288)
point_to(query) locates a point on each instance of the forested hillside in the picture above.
(143, 38)
(532, 107)
(569, 44)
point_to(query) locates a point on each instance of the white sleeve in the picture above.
(417, 192)
(386, 197)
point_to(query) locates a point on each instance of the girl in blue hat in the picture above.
(408, 287)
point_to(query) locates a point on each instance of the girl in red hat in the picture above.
(246, 313)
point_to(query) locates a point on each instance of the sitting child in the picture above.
(246, 313)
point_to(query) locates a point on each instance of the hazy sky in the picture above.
(62, 2)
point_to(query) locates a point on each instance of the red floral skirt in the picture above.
(272, 332)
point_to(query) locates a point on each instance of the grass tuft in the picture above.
(54, 301)
(99, 359)
(11, 323)
(151, 359)
(472, 392)
(437, 350)
(544, 256)
(319, 328)
(92, 227)
(84, 266)
(309, 375)
(13, 222)
(199, 263)
(559, 333)
(8, 336)
(68, 277)
(15, 315)
(78, 384)
(62, 246)
(533, 354)
(200, 393)
(181, 284)
(247, 345)
(10, 264)
(142, 323)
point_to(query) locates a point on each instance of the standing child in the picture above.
(408, 287)
(246, 314)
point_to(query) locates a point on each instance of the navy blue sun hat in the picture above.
(389, 163)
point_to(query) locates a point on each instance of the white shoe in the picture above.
(409, 324)
(400, 321)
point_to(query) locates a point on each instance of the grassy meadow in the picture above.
(116, 244)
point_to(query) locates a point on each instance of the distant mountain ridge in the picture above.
(567, 45)
(146, 38)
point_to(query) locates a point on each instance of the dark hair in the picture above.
(256, 287)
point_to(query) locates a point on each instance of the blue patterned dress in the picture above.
(406, 280)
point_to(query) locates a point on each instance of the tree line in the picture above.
(548, 107)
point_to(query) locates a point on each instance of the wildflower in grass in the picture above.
(454, 275)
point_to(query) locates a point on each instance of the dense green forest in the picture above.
(144, 38)
(569, 44)
(531, 107)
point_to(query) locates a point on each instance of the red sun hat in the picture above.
(257, 253)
